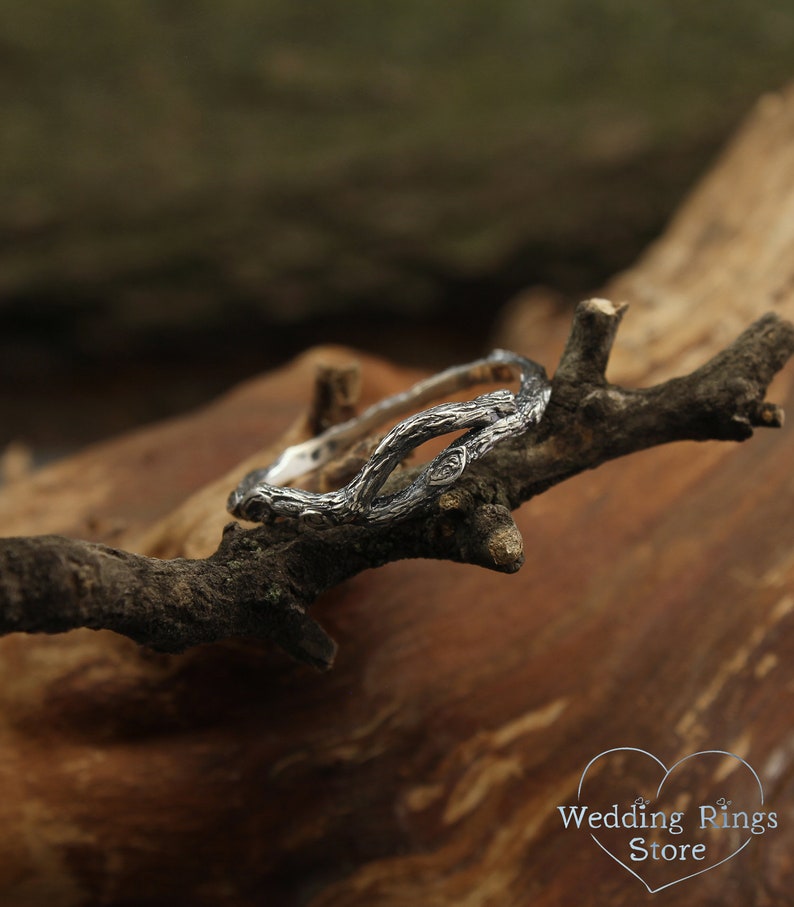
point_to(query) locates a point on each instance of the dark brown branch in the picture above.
(261, 582)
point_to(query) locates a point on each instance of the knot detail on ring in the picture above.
(488, 419)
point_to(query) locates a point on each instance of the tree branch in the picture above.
(260, 582)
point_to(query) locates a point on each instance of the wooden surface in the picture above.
(655, 610)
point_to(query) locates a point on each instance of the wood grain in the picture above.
(655, 609)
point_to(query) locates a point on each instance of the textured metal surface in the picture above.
(490, 418)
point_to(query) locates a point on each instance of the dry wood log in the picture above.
(654, 609)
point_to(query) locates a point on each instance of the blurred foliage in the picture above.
(166, 161)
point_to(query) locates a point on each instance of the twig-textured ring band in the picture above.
(490, 418)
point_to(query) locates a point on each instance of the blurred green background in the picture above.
(193, 191)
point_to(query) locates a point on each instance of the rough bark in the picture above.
(654, 609)
(260, 582)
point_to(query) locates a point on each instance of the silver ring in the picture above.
(490, 418)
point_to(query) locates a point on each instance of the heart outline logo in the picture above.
(667, 772)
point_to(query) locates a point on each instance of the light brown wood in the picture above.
(655, 610)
